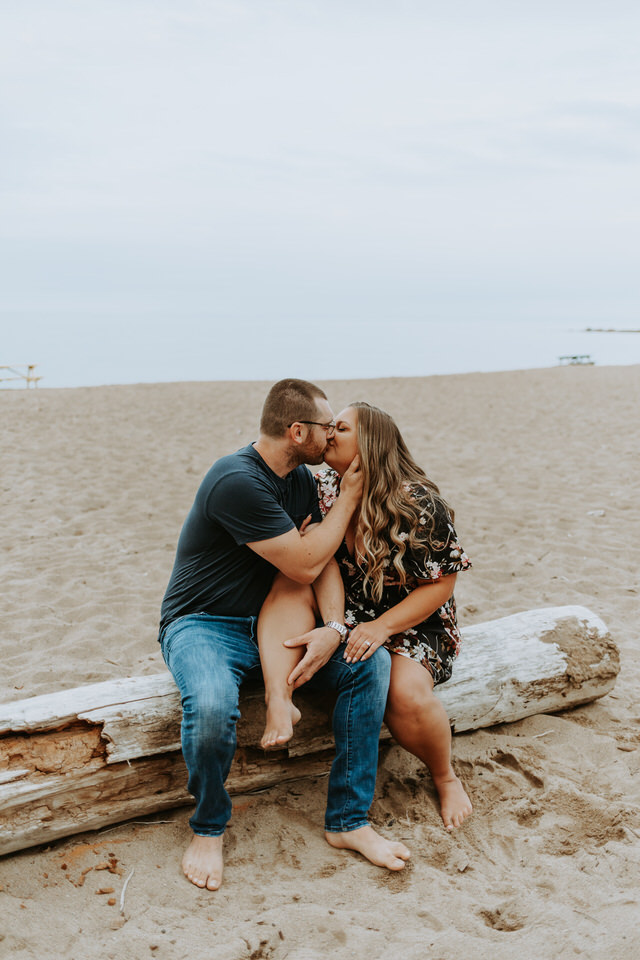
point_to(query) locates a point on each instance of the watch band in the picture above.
(340, 627)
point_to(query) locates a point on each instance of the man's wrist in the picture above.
(349, 496)
(339, 628)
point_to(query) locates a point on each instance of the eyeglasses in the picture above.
(329, 427)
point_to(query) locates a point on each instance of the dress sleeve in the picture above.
(444, 555)
(328, 483)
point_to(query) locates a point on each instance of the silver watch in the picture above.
(340, 627)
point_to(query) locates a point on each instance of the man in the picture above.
(242, 529)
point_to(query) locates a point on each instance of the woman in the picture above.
(398, 562)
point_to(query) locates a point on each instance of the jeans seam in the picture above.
(348, 797)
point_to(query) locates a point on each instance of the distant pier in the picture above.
(608, 330)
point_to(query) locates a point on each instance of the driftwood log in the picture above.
(100, 754)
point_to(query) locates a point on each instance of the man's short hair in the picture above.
(288, 401)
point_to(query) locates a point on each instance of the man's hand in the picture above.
(321, 643)
(365, 640)
(351, 483)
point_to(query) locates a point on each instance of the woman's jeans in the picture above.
(209, 658)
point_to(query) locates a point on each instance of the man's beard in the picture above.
(312, 454)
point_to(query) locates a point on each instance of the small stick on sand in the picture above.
(141, 823)
(124, 890)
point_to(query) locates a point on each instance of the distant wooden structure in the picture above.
(612, 330)
(576, 359)
(21, 371)
(83, 758)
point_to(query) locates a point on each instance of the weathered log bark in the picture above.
(95, 755)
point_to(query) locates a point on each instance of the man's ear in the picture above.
(296, 433)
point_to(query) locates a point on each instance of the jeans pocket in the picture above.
(167, 637)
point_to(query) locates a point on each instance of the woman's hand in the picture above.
(306, 525)
(365, 640)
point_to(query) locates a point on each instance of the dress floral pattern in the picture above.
(435, 642)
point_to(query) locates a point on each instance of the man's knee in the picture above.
(376, 669)
(211, 715)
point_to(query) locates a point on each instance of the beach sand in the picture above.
(542, 469)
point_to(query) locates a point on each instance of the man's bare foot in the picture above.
(377, 849)
(202, 862)
(455, 805)
(282, 717)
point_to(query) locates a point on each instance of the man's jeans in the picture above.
(209, 657)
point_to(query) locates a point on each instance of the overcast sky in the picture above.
(172, 172)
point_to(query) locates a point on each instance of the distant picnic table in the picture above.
(575, 359)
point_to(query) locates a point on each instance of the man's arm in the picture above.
(322, 642)
(303, 558)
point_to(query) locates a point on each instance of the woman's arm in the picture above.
(329, 591)
(416, 607)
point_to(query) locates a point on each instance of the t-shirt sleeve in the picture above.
(247, 509)
(444, 555)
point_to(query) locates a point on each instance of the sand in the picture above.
(542, 469)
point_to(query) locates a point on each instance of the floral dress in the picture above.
(435, 642)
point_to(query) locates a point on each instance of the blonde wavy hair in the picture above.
(388, 509)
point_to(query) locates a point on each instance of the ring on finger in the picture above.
(367, 643)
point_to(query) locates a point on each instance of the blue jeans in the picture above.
(209, 658)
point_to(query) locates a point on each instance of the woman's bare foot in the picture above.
(455, 805)
(282, 717)
(202, 862)
(377, 849)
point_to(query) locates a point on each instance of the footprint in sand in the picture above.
(506, 918)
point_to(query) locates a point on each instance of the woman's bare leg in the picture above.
(288, 611)
(419, 722)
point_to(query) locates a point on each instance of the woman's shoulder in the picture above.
(327, 472)
(328, 477)
(328, 483)
(433, 513)
(423, 496)
(437, 550)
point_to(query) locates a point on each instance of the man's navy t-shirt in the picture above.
(241, 500)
